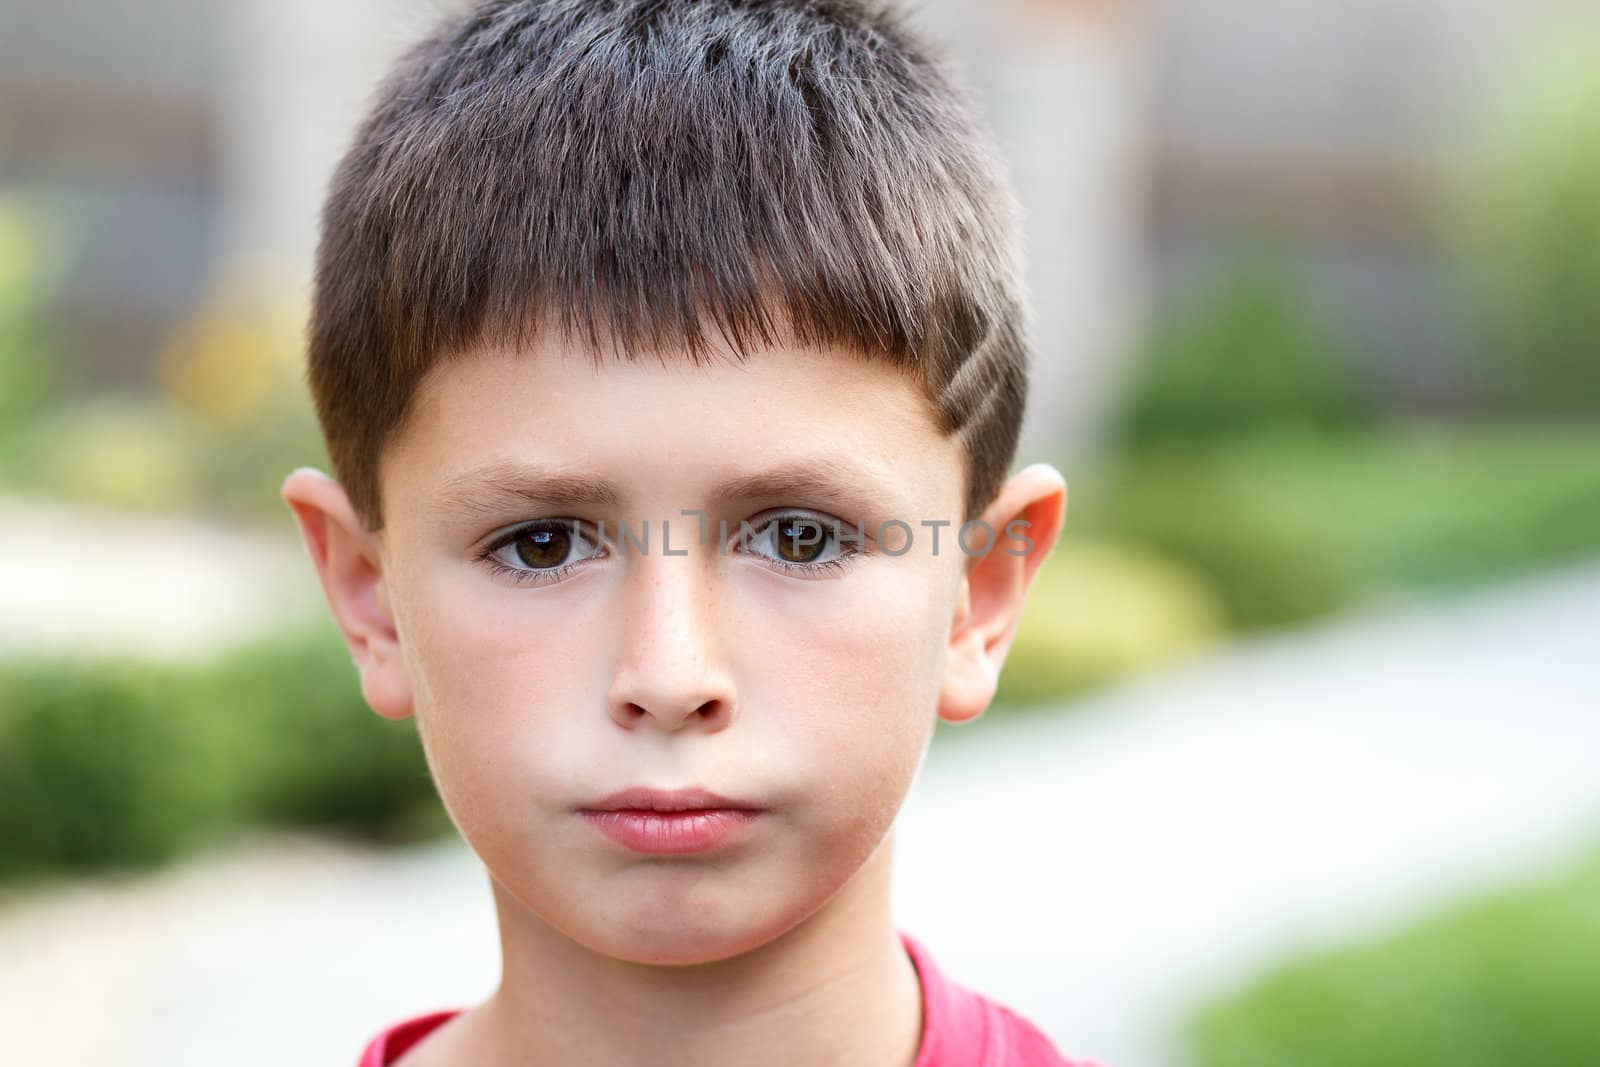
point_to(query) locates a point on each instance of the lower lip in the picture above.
(671, 832)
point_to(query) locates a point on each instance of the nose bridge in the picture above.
(669, 653)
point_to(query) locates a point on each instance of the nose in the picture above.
(670, 671)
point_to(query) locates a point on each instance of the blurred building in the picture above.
(181, 143)
(107, 118)
(1329, 127)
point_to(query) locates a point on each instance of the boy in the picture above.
(670, 358)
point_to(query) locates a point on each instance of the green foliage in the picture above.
(1269, 566)
(100, 766)
(1527, 223)
(1433, 507)
(321, 757)
(26, 274)
(1291, 527)
(111, 763)
(1248, 356)
(1508, 978)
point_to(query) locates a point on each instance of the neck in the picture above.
(838, 988)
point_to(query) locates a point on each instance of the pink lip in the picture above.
(669, 821)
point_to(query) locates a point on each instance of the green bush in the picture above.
(320, 756)
(101, 766)
(1526, 224)
(1247, 356)
(1508, 978)
(113, 763)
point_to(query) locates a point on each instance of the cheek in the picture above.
(854, 686)
(496, 683)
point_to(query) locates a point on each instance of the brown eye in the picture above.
(546, 546)
(800, 540)
(800, 544)
(543, 547)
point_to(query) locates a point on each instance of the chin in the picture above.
(661, 937)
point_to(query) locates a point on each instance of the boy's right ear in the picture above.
(351, 571)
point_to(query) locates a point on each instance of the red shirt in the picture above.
(960, 1028)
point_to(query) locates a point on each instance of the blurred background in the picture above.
(1307, 701)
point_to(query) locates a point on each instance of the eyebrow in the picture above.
(823, 481)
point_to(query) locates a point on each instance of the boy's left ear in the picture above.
(1026, 517)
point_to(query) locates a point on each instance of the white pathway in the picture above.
(1103, 871)
(78, 580)
(1096, 871)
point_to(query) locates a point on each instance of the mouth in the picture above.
(670, 822)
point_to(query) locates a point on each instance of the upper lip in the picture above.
(640, 798)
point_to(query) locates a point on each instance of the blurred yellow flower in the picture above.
(118, 454)
(230, 366)
(1100, 611)
(218, 368)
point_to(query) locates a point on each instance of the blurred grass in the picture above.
(1511, 977)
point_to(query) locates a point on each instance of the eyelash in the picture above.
(849, 551)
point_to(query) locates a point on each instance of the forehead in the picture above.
(806, 426)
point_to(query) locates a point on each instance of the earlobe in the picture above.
(1026, 518)
(351, 572)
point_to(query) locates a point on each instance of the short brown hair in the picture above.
(633, 171)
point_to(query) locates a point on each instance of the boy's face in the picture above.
(547, 672)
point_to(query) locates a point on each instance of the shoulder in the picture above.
(390, 1044)
(964, 1027)
(1016, 1042)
